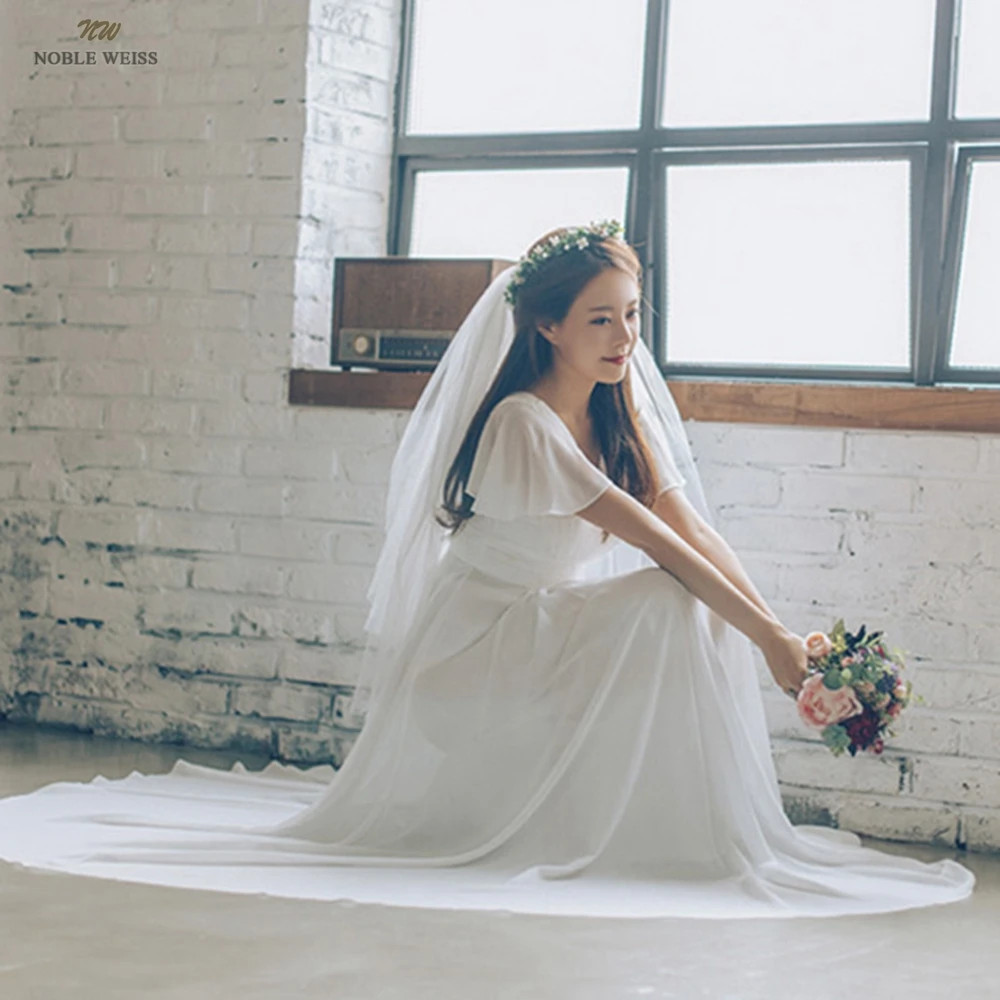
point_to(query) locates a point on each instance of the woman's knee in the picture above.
(657, 582)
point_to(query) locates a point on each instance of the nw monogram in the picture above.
(104, 30)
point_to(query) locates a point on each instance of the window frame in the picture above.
(954, 241)
(940, 151)
(916, 158)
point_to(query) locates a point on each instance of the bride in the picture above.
(562, 712)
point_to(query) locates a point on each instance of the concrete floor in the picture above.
(64, 937)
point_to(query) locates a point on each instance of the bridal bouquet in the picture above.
(854, 690)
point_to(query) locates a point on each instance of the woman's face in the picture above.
(603, 323)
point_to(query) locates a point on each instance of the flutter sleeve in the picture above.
(670, 477)
(528, 466)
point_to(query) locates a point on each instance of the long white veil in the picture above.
(414, 542)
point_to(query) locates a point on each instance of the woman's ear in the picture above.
(547, 330)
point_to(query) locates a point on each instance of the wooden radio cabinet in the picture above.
(400, 313)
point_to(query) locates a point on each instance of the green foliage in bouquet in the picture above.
(862, 662)
(836, 738)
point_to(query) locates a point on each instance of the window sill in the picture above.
(802, 404)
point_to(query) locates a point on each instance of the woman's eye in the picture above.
(601, 320)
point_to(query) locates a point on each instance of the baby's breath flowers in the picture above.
(577, 238)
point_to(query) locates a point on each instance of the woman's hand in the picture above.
(785, 653)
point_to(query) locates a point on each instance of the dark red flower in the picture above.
(862, 728)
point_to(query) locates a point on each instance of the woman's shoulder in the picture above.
(529, 419)
(520, 397)
(519, 407)
(525, 465)
(522, 401)
(527, 416)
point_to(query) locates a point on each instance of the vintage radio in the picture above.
(400, 313)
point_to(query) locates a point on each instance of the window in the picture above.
(783, 241)
(814, 189)
(975, 308)
(978, 78)
(468, 212)
(525, 66)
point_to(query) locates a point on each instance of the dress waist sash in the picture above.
(506, 564)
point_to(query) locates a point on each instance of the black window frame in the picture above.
(940, 150)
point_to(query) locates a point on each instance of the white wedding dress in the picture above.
(556, 745)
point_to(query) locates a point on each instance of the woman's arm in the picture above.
(624, 517)
(675, 510)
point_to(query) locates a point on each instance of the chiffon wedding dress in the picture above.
(553, 738)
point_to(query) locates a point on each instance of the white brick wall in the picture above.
(184, 557)
(182, 552)
(900, 531)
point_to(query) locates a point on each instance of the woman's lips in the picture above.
(620, 360)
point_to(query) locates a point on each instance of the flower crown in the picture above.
(579, 237)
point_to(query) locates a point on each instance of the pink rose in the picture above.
(819, 706)
(818, 645)
(894, 709)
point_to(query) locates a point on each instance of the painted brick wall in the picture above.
(184, 557)
(183, 554)
(900, 532)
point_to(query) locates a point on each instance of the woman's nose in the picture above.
(626, 337)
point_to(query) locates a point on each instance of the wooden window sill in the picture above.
(802, 404)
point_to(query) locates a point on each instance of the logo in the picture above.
(96, 31)
(99, 29)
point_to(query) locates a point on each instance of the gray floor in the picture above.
(67, 937)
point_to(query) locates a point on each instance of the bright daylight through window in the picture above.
(814, 190)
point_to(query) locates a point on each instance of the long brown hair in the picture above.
(546, 297)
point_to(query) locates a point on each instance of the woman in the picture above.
(563, 714)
